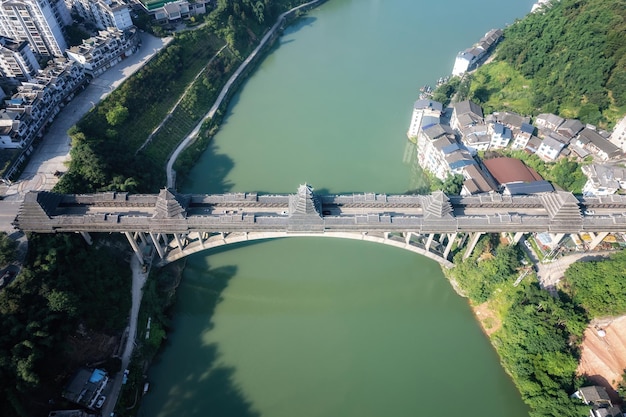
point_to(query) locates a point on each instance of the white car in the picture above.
(589, 212)
(100, 401)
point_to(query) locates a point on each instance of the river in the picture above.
(323, 327)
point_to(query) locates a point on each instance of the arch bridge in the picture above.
(177, 225)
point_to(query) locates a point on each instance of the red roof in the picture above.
(508, 170)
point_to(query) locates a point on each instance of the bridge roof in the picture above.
(169, 212)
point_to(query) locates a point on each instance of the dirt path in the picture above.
(603, 359)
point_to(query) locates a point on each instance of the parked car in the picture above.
(589, 212)
(100, 401)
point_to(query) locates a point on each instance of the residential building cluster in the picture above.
(103, 13)
(27, 113)
(450, 147)
(167, 11)
(176, 10)
(98, 53)
(471, 57)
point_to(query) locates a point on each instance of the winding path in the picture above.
(218, 102)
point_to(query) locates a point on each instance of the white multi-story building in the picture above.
(175, 10)
(17, 59)
(37, 102)
(500, 136)
(603, 179)
(425, 112)
(618, 137)
(39, 22)
(103, 51)
(103, 13)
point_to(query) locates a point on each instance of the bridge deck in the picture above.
(168, 212)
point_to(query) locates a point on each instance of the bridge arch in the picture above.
(194, 244)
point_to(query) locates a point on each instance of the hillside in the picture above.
(569, 59)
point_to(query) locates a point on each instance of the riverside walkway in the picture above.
(171, 178)
(179, 224)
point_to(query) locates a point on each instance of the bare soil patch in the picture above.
(603, 359)
(90, 348)
(487, 318)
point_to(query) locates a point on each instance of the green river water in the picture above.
(324, 327)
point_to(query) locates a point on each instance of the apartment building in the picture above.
(37, 102)
(17, 59)
(38, 22)
(103, 51)
(103, 13)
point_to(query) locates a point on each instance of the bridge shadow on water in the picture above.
(202, 384)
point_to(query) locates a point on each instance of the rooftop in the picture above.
(508, 170)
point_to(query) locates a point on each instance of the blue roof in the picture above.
(461, 164)
(498, 128)
(97, 376)
(450, 148)
(521, 188)
(527, 128)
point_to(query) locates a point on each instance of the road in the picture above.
(549, 274)
(139, 280)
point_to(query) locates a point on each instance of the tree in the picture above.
(453, 184)
(7, 249)
(117, 115)
(599, 287)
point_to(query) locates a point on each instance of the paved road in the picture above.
(52, 154)
(139, 279)
(549, 274)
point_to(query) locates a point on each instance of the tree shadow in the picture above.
(206, 390)
(198, 384)
(216, 166)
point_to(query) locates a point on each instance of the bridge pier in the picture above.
(557, 237)
(87, 237)
(135, 246)
(597, 240)
(474, 240)
(429, 241)
(407, 237)
(142, 237)
(451, 239)
(517, 238)
(157, 244)
(178, 241)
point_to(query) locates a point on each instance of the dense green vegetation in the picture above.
(599, 286)
(7, 249)
(452, 185)
(537, 341)
(106, 141)
(570, 60)
(64, 284)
